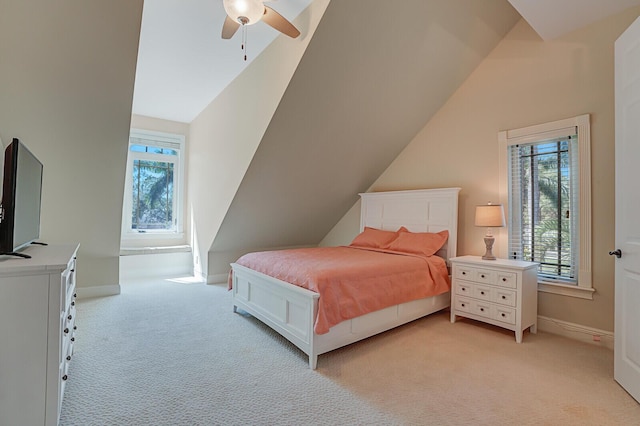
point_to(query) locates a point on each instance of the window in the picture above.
(152, 205)
(546, 183)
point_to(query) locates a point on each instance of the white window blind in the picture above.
(544, 193)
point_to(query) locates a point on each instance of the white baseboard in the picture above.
(579, 332)
(98, 291)
(217, 278)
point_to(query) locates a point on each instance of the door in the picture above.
(627, 269)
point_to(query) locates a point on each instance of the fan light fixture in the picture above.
(245, 12)
(489, 216)
(248, 12)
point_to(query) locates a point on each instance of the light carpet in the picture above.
(167, 352)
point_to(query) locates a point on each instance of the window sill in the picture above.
(566, 290)
(132, 251)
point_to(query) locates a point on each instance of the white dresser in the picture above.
(501, 292)
(37, 313)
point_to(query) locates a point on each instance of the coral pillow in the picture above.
(422, 243)
(375, 238)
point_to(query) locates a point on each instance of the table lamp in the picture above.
(489, 216)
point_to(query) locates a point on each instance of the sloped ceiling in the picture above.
(373, 75)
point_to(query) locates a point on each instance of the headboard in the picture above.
(422, 210)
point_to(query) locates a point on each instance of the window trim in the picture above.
(584, 288)
(148, 137)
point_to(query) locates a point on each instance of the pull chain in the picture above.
(244, 41)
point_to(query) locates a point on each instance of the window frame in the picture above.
(165, 140)
(584, 287)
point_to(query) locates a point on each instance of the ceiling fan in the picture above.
(248, 12)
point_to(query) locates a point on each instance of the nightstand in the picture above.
(501, 292)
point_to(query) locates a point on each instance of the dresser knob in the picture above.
(66, 330)
(482, 293)
(75, 294)
(75, 327)
(462, 304)
(68, 357)
(504, 280)
(73, 303)
(504, 297)
(73, 270)
(464, 273)
(504, 315)
(64, 377)
(73, 339)
(69, 317)
(482, 276)
(464, 289)
(481, 309)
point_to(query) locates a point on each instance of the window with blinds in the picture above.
(544, 190)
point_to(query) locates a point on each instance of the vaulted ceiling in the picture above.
(372, 76)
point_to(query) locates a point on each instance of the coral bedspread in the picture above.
(353, 281)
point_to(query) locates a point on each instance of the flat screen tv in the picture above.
(21, 197)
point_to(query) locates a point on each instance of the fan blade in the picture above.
(277, 21)
(229, 28)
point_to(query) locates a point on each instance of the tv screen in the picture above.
(21, 197)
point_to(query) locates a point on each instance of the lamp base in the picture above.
(488, 242)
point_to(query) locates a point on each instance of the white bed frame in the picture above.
(291, 310)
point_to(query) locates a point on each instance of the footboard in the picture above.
(288, 309)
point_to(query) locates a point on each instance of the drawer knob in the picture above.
(482, 293)
(464, 273)
(64, 377)
(462, 304)
(464, 289)
(73, 339)
(70, 317)
(75, 327)
(481, 309)
(504, 297)
(68, 357)
(66, 330)
(504, 315)
(73, 303)
(75, 294)
(504, 280)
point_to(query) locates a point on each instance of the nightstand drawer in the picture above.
(484, 276)
(507, 279)
(506, 297)
(463, 272)
(464, 305)
(484, 292)
(483, 309)
(464, 289)
(505, 314)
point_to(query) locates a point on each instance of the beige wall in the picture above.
(66, 86)
(221, 141)
(524, 81)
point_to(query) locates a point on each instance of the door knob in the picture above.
(617, 253)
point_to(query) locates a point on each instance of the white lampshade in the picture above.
(246, 12)
(490, 215)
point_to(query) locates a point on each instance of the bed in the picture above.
(292, 311)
